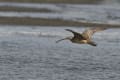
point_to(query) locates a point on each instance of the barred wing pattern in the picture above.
(89, 32)
(76, 34)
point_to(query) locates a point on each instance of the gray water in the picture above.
(101, 13)
(30, 53)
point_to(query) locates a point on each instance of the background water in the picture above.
(30, 53)
(108, 14)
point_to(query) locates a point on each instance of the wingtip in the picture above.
(67, 29)
(100, 28)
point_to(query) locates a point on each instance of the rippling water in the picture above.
(30, 53)
(90, 13)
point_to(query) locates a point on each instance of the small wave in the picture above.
(103, 35)
(30, 5)
(49, 31)
(38, 34)
(31, 15)
(107, 14)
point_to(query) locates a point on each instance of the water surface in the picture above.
(108, 14)
(30, 53)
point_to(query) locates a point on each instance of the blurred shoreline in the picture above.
(51, 22)
(20, 9)
(56, 1)
(58, 15)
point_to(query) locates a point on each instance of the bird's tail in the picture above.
(92, 43)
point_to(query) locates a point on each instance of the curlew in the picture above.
(83, 38)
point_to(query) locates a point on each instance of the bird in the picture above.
(83, 38)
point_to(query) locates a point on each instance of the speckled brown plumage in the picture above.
(83, 38)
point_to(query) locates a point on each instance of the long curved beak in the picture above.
(61, 40)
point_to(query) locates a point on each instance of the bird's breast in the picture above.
(80, 41)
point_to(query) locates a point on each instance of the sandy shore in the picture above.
(20, 9)
(49, 22)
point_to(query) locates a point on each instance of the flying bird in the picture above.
(85, 37)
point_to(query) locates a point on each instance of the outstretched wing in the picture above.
(76, 34)
(89, 32)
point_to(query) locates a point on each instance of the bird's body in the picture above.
(78, 40)
(83, 38)
(82, 41)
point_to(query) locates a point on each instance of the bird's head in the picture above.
(67, 38)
